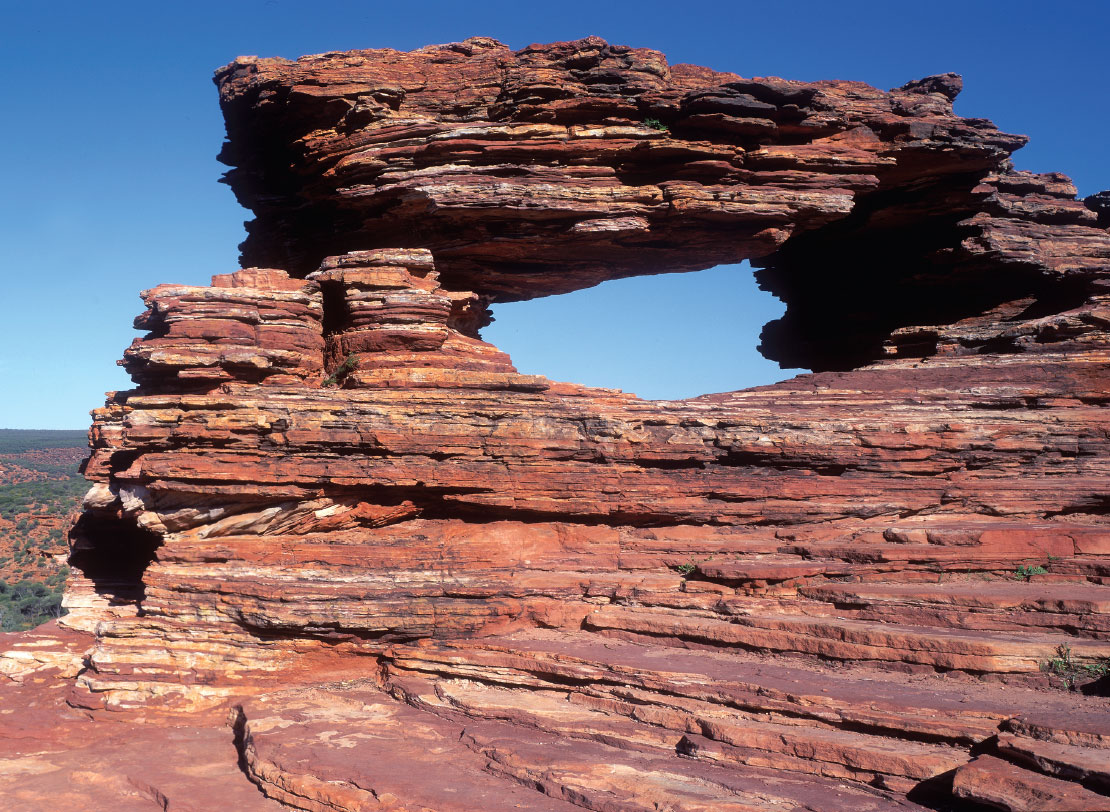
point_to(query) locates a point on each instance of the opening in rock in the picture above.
(113, 553)
(664, 337)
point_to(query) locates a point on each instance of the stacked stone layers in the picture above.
(915, 516)
(392, 323)
(255, 325)
(421, 579)
(560, 166)
(557, 166)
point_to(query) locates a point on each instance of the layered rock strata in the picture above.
(559, 166)
(419, 579)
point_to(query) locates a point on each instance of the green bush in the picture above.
(27, 604)
(350, 363)
(1072, 672)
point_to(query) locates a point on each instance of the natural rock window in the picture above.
(662, 337)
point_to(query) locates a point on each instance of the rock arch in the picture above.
(367, 520)
(561, 166)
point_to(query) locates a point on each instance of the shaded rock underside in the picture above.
(338, 554)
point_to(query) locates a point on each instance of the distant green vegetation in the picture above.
(28, 538)
(31, 579)
(52, 495)
(55, 469)
(28, 603)
(16, 441)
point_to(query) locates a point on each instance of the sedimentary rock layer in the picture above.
(418, 579)
(556, 167)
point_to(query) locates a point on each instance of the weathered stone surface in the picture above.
(339, 748)
(1002, 785)
(874, 214)
(421, 580)
(253, 325)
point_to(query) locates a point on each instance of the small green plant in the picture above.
(350, 363)
(656, 124)
(691, 565)
(1064, 666)
(1024, 573)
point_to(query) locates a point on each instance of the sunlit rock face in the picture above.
(559, 166)
(422, 580)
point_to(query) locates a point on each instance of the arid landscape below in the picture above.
(336, 553)
(40, 498)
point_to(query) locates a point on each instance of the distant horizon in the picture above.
(59, 431)
(116, 126)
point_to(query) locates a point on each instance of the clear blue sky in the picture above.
(111, 128)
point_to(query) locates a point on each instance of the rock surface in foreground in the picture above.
(339, 537)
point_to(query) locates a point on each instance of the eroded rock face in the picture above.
(420, 579)
(560, 166)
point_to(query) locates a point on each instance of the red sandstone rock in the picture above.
(421, 579)
(995, 782)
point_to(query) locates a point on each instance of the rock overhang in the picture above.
(544, 170)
